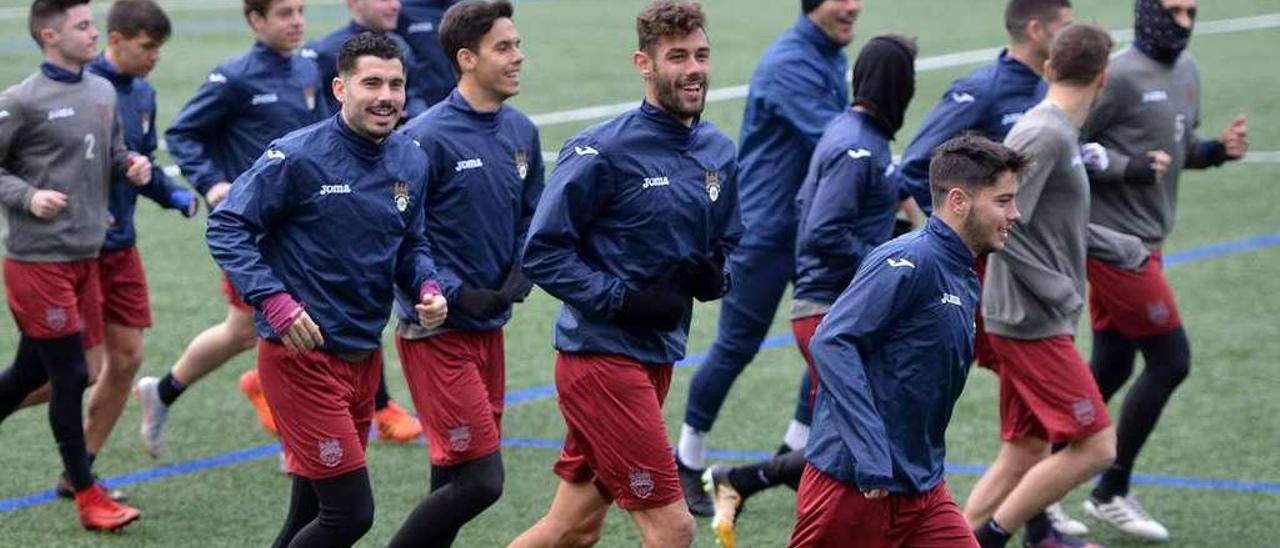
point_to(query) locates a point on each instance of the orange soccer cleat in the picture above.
(99, 513)
(396, 424)
(253, 390)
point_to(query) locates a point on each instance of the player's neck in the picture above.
(57, 60)
(1075, 101)
(479, 98)
(1025, 53)
(651, 97)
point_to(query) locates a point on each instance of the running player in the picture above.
(1032, 297)
(61, 142)
(348, 194)
(378, 16)
(485, 179)
(846, 207)
(893, 355)
(798, 88)
(639, 216)
(1144, 127)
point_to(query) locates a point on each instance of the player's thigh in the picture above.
(667, 525)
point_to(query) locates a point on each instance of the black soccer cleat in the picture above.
(691, 484)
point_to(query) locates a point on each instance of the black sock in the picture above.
(169, 389)
(784, 469)
(22, 378)
(382, 398)
(469, 489)
(303, 509)
(991, 535)
(63, 360)
(345, 512)
(1037, 528)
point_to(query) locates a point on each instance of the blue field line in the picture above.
(526, 395)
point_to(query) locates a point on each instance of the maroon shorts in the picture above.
(612, 406)
(1047, 391)
(124, 288)
(323, 406)
(1136, 303)
(54, 300)
(457, 380)
(233, 296)
(830, 513)
(803, 329)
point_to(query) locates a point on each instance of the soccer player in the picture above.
(378, 16)
(346, 194)
(893, 355)
(847, 207)
(1032, 297)
(638, 217)
(430, 70)
(798, 88)
(1146, 118)
(485, 179)
(61, 143)
(136, 30)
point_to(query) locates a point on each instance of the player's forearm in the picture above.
(567, 278)
(1205, 153)
(15, 193)
(842, 373)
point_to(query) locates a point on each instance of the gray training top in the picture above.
(58, 136)
(1145, 105)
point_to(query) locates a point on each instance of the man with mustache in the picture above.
(61, 144)
(1031, 300)
(485, 179)
(346, 194)
(637, 219)
(893, 354)
(798, 87)
(1144, 133)
(243, 104)
(378, 16)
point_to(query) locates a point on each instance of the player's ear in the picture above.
(47, 36)
(644, 64)
(467, 60)
(339, 88)
(959, 201)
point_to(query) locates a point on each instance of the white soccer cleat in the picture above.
(1064, 523)
(154, 415)
(1125, 514)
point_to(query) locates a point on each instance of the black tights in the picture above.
(1168, 361)
(329, 512)
(783, 469)
(458, 494)
(60, 362)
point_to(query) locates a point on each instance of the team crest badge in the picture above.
(146, 122)
(309, 95)
(522, 164)
(402, 196)
(1158, 313)
(641, 483)
(330, 452)
(713, 185)
(460, 438)
(56, 318)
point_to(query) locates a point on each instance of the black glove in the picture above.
(479, 304)
(1139, 171)
(658, 306)
(516, 287)
(701, 277)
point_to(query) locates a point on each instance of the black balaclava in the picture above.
(1156, 33)
(884, 81)
(810, 5)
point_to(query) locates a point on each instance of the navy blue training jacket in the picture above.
(892, 357)
(136, 108)
(243, 105)
(798, 88)
(628, 199)
(847, 206)
(333, 219)
(987, 101)
(485, 179)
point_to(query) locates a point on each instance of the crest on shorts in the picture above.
(309, 95)
(522, 164)
(460, 438)
(330, 452)
(641, 483)
(1158, 313)
(401, 195)
(1083, 411)
(713, 185)
(56, 318)
(146, 122)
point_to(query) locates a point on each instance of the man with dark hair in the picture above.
(61, 143)
(243, 104)
(377, 16)
(1032, 297)
(798, 87)
(637, 219)
(431, 71)
(485, 179)
(893, 354)
(846, 208)
(348, 194)
(1144, 133)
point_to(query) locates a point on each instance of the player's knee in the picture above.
(245, 337)
(1100, 449)
(675, 532)
(123, 364)
(488, 490)
(72, 378)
